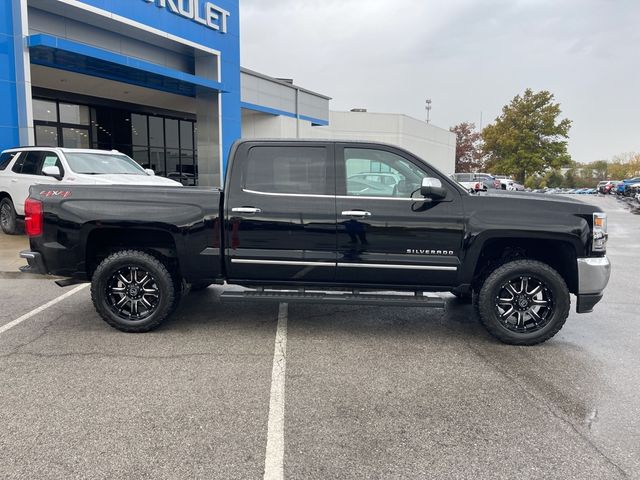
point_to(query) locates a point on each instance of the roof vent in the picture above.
(286, 80)
(359, 110)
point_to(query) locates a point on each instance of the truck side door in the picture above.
(388, 234)
(280, 213)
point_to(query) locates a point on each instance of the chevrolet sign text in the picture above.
(206, 14)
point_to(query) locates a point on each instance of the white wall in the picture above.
(433, 144)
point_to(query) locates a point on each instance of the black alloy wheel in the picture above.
(523, 302)
(134, 291)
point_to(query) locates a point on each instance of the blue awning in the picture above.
(50, 51)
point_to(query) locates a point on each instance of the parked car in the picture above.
(489, 180)
(469, 182)
(606, 186)
(511, 185)
(314, 240)
(20, 168)
(624, 188)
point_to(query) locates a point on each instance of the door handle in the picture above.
(247, 210)
(356, 213)
(13, 180)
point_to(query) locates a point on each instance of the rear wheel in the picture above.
(8, 219)
(133, 291)
(524, 302)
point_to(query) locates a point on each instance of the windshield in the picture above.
(103, 164)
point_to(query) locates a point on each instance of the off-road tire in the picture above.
(8, 217)
(491, 287)
(163, 281)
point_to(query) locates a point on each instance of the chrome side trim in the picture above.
(434, 268)
(342, 197)
(296, 195)
(593, 275)
(282, 262)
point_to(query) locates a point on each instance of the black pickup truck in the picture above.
(322, 221)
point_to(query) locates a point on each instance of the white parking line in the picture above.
(274, 460)
(27, 316)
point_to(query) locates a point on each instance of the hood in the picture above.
(118, 179)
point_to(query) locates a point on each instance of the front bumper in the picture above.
(593, 278)
(35, 261)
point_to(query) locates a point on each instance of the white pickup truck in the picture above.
(20, 168)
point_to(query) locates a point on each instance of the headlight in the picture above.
(600, 235)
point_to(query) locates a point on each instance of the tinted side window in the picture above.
(32, 163)
(5, 159)
(378, 173)
(298, 170)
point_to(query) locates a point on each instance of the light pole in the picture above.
(428, 109)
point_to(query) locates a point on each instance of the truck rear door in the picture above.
(281, 213)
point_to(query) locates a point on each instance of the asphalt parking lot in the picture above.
(369, 392)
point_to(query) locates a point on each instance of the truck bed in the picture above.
(83, 223)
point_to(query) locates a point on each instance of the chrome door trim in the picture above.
(342, 197)
(282, 262)
(435, 268)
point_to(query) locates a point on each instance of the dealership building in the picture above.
(161, 81)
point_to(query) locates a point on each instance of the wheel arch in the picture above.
(559, 252)
(101, 242)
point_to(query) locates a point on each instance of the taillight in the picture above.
(33, 218)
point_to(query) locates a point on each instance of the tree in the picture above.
(469, 157)
(527, 138)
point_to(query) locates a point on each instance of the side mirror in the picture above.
(432, 188)
(150, 172)
(52, 171)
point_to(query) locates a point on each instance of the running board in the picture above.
(288, 296)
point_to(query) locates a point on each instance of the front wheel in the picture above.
(524, 302)
(8, 219)
(133, 291)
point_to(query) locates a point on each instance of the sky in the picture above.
(470, 57)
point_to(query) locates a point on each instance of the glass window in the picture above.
(299, 170)
(156, 158)
(377, 173)
(139, 130)
(46, 136)
(188, 168)
(5, 159)
(121, 128)
(75, 138)
(173, 164)
(141, 155)
(156, 132)
(51, 160)
(32, 163)
(45, 110)
(186, 135)
(74, 114)
(102, 163)
(171, 137)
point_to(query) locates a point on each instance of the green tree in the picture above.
(468, 148)
(554, 179)
(570, 179)
(528, 137)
